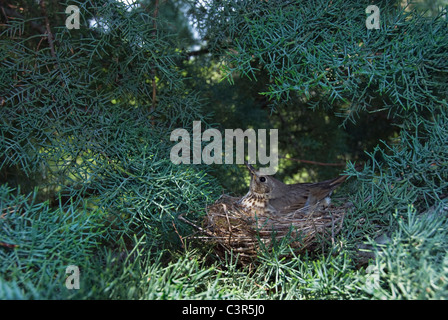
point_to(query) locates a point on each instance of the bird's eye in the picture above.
(262, 179)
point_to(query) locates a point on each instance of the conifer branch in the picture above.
(154, 86)
(8, 12)
(315, 162)
(48, 29)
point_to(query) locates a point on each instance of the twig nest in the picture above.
(245, 234)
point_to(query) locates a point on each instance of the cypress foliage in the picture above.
(320, 54)
(324, 48)
(85, 122)
(86, 117)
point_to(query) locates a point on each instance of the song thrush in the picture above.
(267, 194)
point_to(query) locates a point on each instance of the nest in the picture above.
(233, 230)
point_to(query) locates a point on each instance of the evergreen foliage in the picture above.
(85, 122)
(78, 120)
(324, 48)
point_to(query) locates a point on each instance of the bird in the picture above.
(269, 195)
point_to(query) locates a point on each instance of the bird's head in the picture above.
(263, 185)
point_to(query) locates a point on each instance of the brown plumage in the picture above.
(270, 195)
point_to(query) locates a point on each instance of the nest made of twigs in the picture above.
(245, 234)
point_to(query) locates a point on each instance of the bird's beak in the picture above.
(251, 169)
